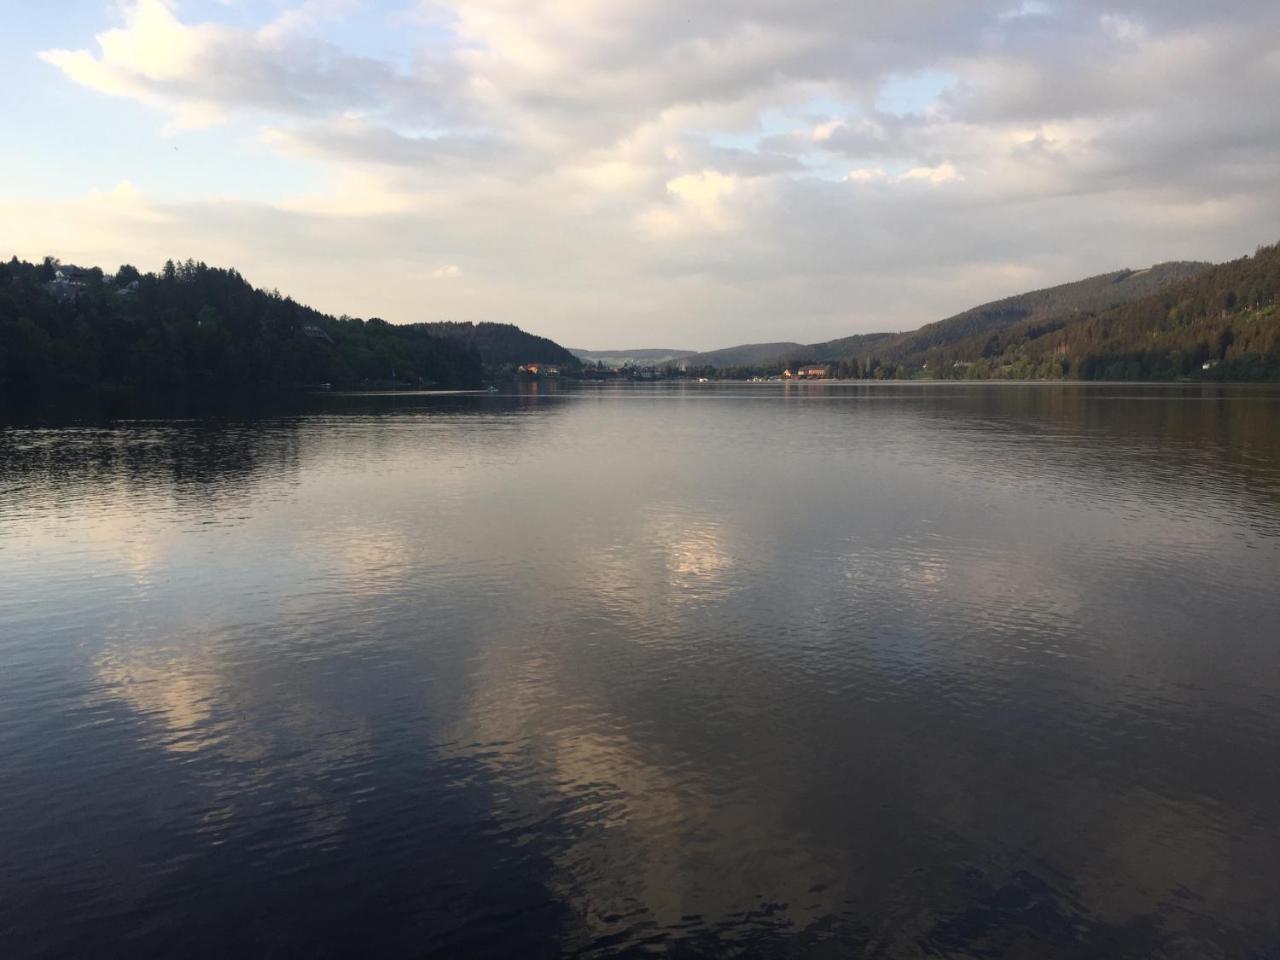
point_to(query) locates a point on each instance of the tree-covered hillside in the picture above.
(503, 346)
(1175, 320)
(650, 356)
(191, 327)
(1223, 324)
(899, 354)
(1064, 301)
(746, 355)
(856, 345)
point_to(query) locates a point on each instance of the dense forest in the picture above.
(1223, 323)
(1171, 321)
(504, 346)
(194, 328)
(899, 354)
(1079, 298)
(747, 356)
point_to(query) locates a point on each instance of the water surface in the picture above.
(882, 670)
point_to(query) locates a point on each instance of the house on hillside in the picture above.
(68, 282)
(72, 275)
(539, 369)
(317, 333)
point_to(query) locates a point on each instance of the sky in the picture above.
(642, 173)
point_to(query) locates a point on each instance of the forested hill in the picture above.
(746, 355)
(1221, 324)
(191, 327)
(1173, 321)
(504, 345)
(641, 357)
(899, 353)
(1064, 301)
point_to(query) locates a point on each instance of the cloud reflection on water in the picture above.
(699, 694)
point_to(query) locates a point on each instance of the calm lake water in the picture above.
(882, 670)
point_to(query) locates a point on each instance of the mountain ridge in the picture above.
(643, 355)
(1170, 321)
(1091, 293)
(193, 326)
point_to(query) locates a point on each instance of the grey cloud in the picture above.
(1084, 69)
(761, 162)
(371, 143)
(306, 78)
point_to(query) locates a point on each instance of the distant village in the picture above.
(675, 370)
(538, 370)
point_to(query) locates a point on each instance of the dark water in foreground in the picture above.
(825, 671)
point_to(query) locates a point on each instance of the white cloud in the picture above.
(936, 175)
(202, 73)
(823, 131)
(867, 175)
(138, 60)
(942, 173)
(704, 199)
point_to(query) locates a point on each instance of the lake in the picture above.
(809, 670)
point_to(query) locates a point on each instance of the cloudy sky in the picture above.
(626, 173)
